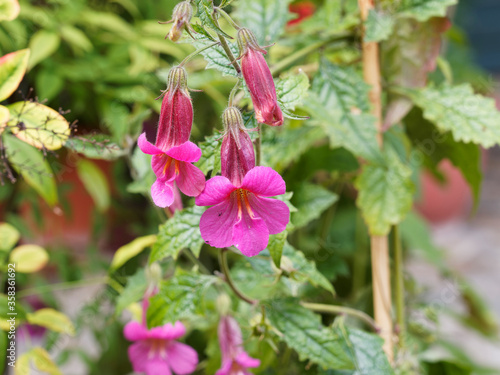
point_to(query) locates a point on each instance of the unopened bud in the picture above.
(154, 274)
(177, 79)
(223, 304)
(181, 16)
(246, 39)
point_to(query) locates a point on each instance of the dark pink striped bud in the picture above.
(259, 79)
(176, 115)
(237, 154)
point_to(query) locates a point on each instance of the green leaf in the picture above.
(130, 250)
(4, 344)
(42, 361)
(292, 89)
(181, 297)
(12, 69)
(210, 154)
(422, 10)
(379, 26)
(385, 193)
(95, 146)
(54, 320)
(469, 117)
(180, 232)
(95, 183)
(433, 146)
(29, 258)
(311, 200)
(305, 270)
(76, 38)
(9, 236)
(365, 351)
(9, 10)
(339, 104)
(133, 291)
(4, 117)
(38, 125)
(205, 10)
(29, 162)
(302, 331)
(216, 57)
(201, 30)
(42, 45)
(266, 18)
(275, 246)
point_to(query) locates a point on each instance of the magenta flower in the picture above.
(259, 79)
(243, 215)
(235, 360)
(155, 351)
(174, 165)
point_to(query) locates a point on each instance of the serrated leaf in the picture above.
(311, 200)
(378, 26)
(38, 125)
(180, 232)
(302, 331)
(181, 297)
(54, 320)
(12, 69)
(422, 10)
(275, 247)
(266, 18)
(130, 250)
(339, 104)
(42, 361)
(42, 45)
(469, 117)
(205, 13)
(9, 236)
(95, 183)
(385, 193)
(292, 89)
(216, 57)
(201, 30)
(29, 162)
(210, 154)
(133, 291)
(9, 10)
(305, 269)
(29, 258)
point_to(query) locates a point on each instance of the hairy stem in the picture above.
(233, 93)
(229, 54)
(195, 53)
(342, 310)
(399, 283)
(62, 286)
(227, 276)
(258, 145)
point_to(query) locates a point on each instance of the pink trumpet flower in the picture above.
(259, 79)
(235, 361)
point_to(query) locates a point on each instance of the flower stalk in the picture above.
(227, 277)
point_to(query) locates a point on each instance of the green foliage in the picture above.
(51, 319)
(130, 250)
(12, 69)
(132, 292)
(275, 247)
(9, 236)
(292, 90)
(205, 12)
(422, 10)
(210, 157)
(216, 57)
(379, 26)
(311, 200)
(95, 182)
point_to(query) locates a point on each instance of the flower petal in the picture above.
(264, 181)
(182, 358)
(134, 331)
(147, 147)
(216, 223)
(226, 367)
(156, 366)
(217, 189)
(138, 354)
(162, 193)
(186, 152)
(168, 331)
(274, 212)
(244, 360)
(190, 180)
(250, 235)
(163, 167)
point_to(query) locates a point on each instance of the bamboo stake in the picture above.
(379, 244)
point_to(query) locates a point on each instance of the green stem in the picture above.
(277, 68)
(189, 254)
(400, 288)
(229, 54)
(197, 52)
(258, 145)
(62, 286)
(227, 276)
(334, 309)
(233, 93)
(227, 17)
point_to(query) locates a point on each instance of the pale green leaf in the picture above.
(422, 10)
(379, 26)
(210, 154)
(216, 57)
(38, 125)
(42, 45)
(9, 10)
(292, 89)
(76, 38)
(339, 104)
(385, 193)
(12, 69)
(181, 297)
(302, 331)
(29, 258)
(275, 246)
(130, 250)
(266, 18)
(42, 361)
(4, 117)
(310, 200)
(180, 232)
(9, 236)
(30, 163)
(133, 291)
(95, 183)
(469, 117)
(95, 146)
(51, 319)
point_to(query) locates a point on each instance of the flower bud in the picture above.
(181, 16)
(176, 115)
(237, 154)
(258, 79)
(223, 304)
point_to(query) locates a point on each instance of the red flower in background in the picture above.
(303, 9)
